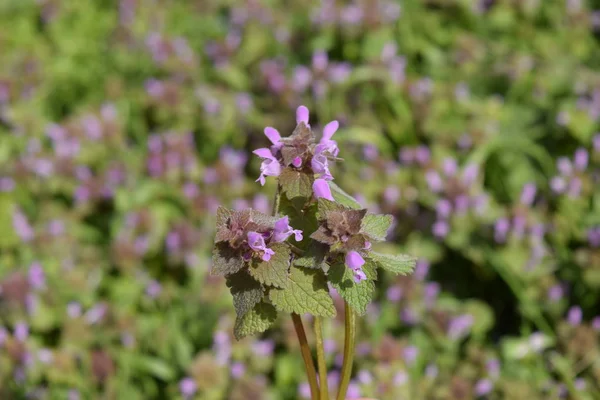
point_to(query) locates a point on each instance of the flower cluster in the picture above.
(299, 152)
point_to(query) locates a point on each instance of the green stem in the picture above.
(311, 373)
(321, 359)
(350, 336)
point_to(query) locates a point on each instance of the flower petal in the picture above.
(264, 153)
(354, 260)
(302, 115)
(330, 129)
(272, 134)
(321, 189)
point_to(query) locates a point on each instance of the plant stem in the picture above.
(321, 359)
(311, 373)
(350, 336)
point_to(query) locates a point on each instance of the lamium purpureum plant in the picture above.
(318, 238)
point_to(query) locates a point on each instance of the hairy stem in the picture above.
(350, 336)
(311, 373)
(321, 359)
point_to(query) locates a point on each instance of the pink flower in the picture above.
(302, 115)
(354, 261)
(283, 230)
(256, 241)
(321, 189)
(270, 165)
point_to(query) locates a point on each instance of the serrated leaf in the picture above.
(314, 257)
(246, 292)
(376, 226)
(307, 292)
(324, 206)
(225, 260)
(275, 271)
(340, 196)
(295, 183)
(398, 264)
(357, 295)
(257, 320)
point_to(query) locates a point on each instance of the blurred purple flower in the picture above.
(263, 348)
(7, 184)
(556, 293)
(574, 316)
(483, 387)
(581, 159)
(37, 278)
(528, 194)
(564, 166)
(153, 289)
(237, 370)
(21, 331)
(74, 310)
(443, 208)
(460, 326)
(410, 354)
(501, 228)
(270, 165)
(22, 227)
(434, 181)
(440, 229)
(394, 294)
(187, 387)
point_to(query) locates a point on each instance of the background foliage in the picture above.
(123, 124)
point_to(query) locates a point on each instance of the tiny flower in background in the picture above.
(574, 316)
(187, 387)
(483, 387)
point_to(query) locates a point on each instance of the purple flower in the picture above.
(460, 326)
(558, 184)
(596, 324)
(449, 166)
(483, 387)
(302, 115)
(501, 229)
(21, 332)
(273, 135)
(153, 289)
(320, 163)
(237, 370)
(528, 194)
(470, 173)
(187, 387)
(328, 144)
(594, 237)
(270, 165)
(74, 310)
(354, 261)
(22, 227)
(596, 143)
(434, 181)
(263, 348)
(256, 241)
(581, 159)
(304, 390)
(556, 292)
(283, 230)
(461, 203)
(410, 354)
(443, 208)
(321, 189)
(574, 316)
(394, 294)
(564, 166)
(440, 229)
(37, 278)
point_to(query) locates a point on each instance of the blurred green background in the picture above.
(124, 124)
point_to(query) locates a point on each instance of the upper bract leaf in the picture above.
(376, 226)
(225, 260)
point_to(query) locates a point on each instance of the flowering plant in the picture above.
(331, 249)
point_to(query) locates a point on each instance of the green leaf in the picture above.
(400, 264)
(357, 295)
(225, 260)
(314, 257)
(155, 367)
(342, 197)
(246, 292)
(295, 183)
(324, 206)
(376, 226)
(257, 320)
(275, 271)
(307, 292)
